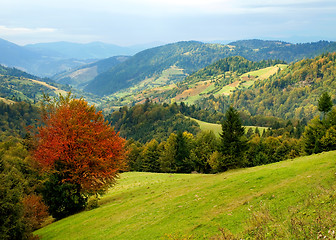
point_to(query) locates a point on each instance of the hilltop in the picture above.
(284, 200)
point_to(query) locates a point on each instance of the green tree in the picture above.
(18, 178)
(11, 208)
(167, 159)
(182, 162)
(205, 144)
(325, 104)
(233, 143)
(134, 158)
(312, 136)
(150, 156)
(175, 155)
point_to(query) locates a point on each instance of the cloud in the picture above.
(136, 21)
(11, 31)
(231, 7)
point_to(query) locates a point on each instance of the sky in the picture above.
(132, 22)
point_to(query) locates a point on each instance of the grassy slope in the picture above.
(217, 128)
(238, 83)
(149, 205)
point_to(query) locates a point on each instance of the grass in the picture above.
(55, 89)
(228, 89)
(205, 126)
(243, 202)
(217, 128)
(7, 101)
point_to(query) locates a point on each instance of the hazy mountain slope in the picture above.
(78, 77)
(93, 50)
(260, 49)
(15, 55)
(36, 63)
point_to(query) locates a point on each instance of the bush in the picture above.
(35, 211)
(63, 199)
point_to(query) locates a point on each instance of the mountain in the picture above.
(15, 55)
(171, 63)
(219, 78)
(185, 57)
(93, 50)
(257, 50)
(35, 62)
(78, 77)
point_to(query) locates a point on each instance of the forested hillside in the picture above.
(189, 57)
(257, 50)
(21, 86)
(16, 85)
(291, 93)
(15, 118)
(219, 78)
(148, 121)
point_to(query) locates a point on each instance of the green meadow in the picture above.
(217, 128)
(293, 199)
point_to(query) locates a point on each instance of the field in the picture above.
(293, 199)
(243, 81)
(217, 128)
(166, 81)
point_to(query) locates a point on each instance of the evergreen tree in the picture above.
(233, 143)
(325, 104)
(150, 156)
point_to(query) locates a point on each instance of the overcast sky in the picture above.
(130, 22)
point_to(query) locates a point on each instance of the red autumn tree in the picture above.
(75, 142)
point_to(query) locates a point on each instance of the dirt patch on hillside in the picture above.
(193, 91)
(234, 84)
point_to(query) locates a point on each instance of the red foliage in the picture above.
(76, 142)
(35, 211)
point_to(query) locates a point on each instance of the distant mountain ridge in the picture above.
(190, 56)
(48, 59)
(80, 76)
(93, 50)
(258, 50)
(34, 62)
